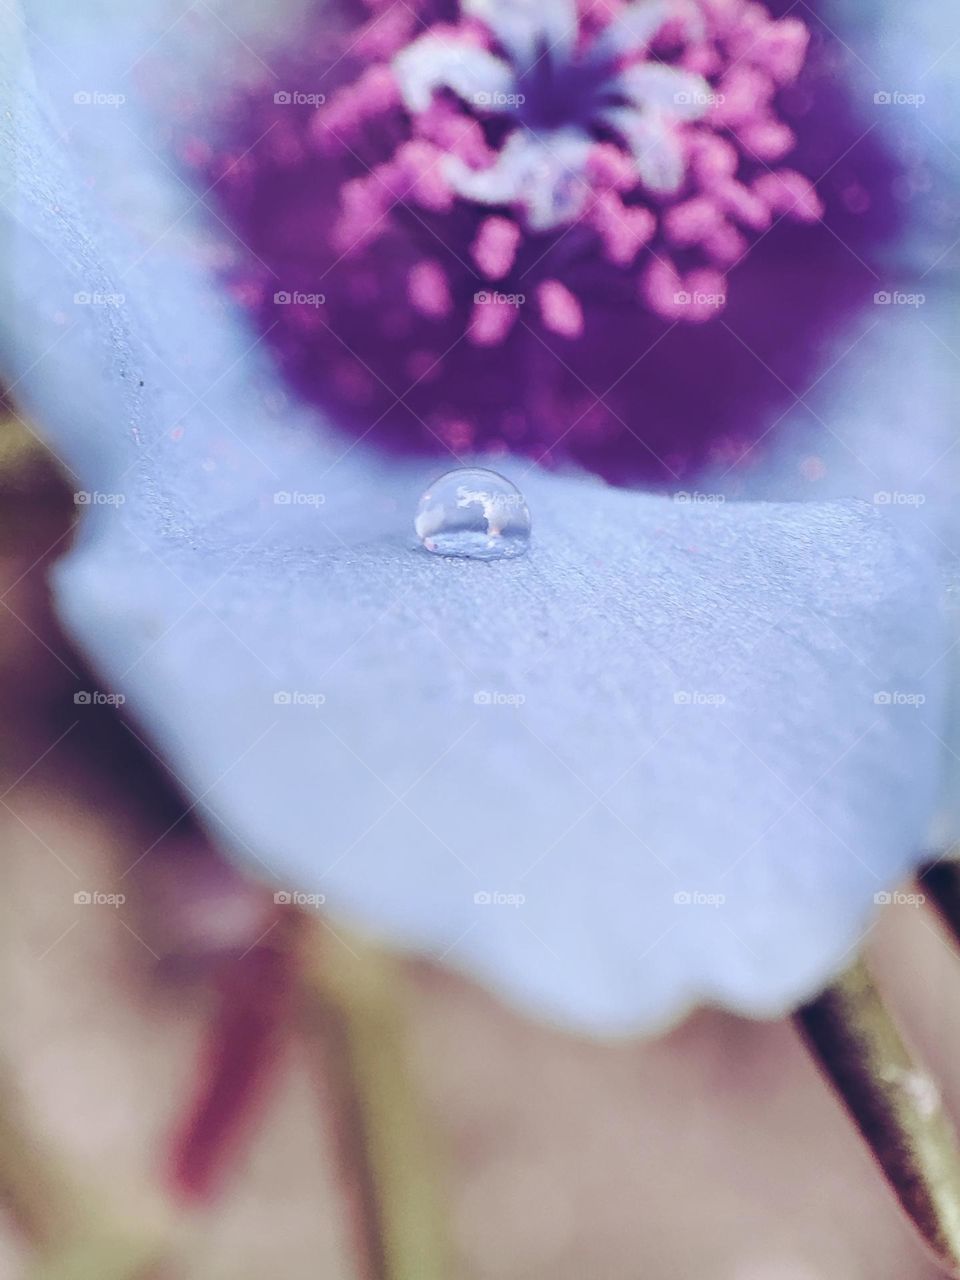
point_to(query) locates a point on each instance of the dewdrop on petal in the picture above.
(473, 513)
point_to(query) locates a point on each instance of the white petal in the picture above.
(653, 145)
(670, 90)
(632, 30)
(541, 172)
(439, 62)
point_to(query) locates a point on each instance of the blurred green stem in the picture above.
(358, 1006)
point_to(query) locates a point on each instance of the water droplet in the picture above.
(474, 513)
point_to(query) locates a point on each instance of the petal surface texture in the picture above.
(670, 756)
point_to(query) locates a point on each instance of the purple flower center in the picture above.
(527, 226)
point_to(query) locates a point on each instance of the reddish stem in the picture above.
(239, 1057)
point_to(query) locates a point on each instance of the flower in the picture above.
(520, 274)
(712, 729)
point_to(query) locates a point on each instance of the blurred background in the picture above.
(138, 972)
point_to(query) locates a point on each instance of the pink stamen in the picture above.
(743, 204)
(724, 245)
(623, 231)
(691, 222)
(450, 131)
(768, 140)
(373, 95)
(495, 248)
(789, 192)
(744, 95)
(560, 310)
(421, 166)
(490, 322)
(429, 290)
